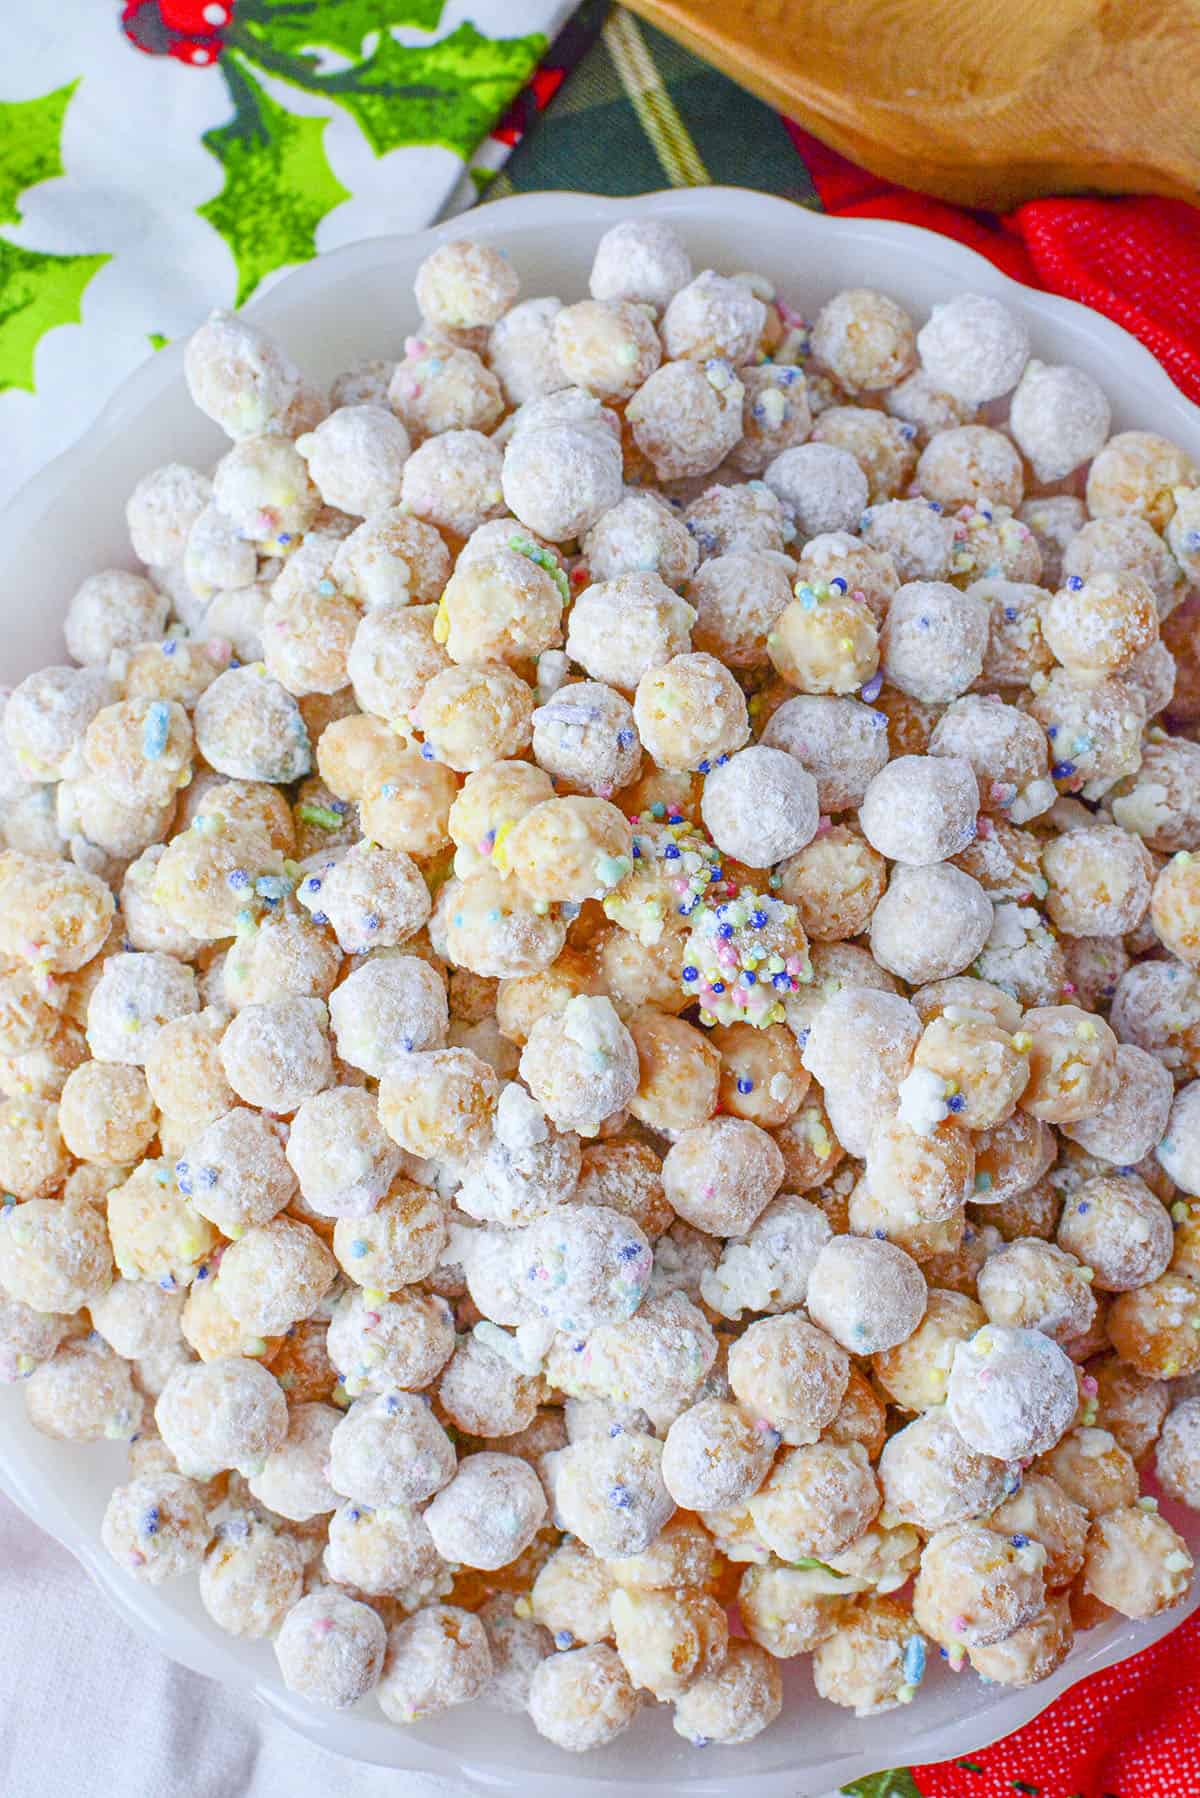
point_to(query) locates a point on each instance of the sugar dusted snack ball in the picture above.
(787, 1375)
(239, 377)
(720, 1175)
(607, 346)
(583, 1698)
(1011, 1393)
(976, 1587)
(1099, 881)
(462, 284)
(933, 643)
(277, 1055)
(1035, 1285)
(1118, 1228)
(437, 1658)
(453, 481)
(679, 1073)
(54, 1254)
(687, 417)
(1137, 471)
(623, 628)
(106, 1112)
(822, 486)
(932, 922)
(1177, 1454)
(392, 1004)
(34, 1159)
(502, 608)
(472, 716)
(859, 1047)
(641, 534)
(581, 1065)
(864, 339)
(921, 809)
(760, 806)
(113, 610)
(251, 1577)
(331, 1648)
(974, 348)
(611, 1493)
(842, 743)
(1136, 1562)
(292, 1480)
(46, 719)
(642, 260)
(868, 1295)
(713, 316)
(228, 1413)
(559, 478)
(585, 738)
(156, 1527)
(399, 1242)
(496, 929)
(372, 897)
(1059, 418)
(1099, 626)
(689, 712)
(823, 642)
(439, 1103)
(818, 1499)
(738, 598)
(389, 1449)
(668, 1641)
(488, 1513)
(381, 1345)
(1072, 1063)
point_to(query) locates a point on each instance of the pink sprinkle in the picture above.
(1068, 986)
(792, 319)
(680, 886)
(1090, 1385)
(794, 966)
(824, 823)
(727, 955)
(859, 595)
(959, 1625)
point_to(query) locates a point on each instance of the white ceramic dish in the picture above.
(69, 521)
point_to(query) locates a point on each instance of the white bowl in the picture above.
(69, 521)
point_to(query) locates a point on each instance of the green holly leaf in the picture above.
(278, 182)
(37, 292)
(292, 25)
(30, 131)
(448, 93)
(898, 1783)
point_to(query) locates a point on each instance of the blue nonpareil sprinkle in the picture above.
(326, 588)
(690, 973)
(914, 1661)
(170, 646)
(156, 727)
(620, 1497)
(272, 886)
(718, 986)
(1062, 770)
(744, 1085)
(725, 930)
(1010, 612)
(956, 1103)
(563, 1638)
(238, 879)
(758, 919)
(1020, 1540)
(703, 767)
(312, 884)
(872, 689)
(671, 853)
(150, 1521)
(320, 917)
(1074, 583)
(427, 751)
(359, 1248)
(629, 1251)
(1083, 1207)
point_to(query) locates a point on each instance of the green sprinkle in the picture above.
(809, 1564)
(525, 546)
(323, 816)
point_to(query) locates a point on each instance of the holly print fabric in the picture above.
(162, 157)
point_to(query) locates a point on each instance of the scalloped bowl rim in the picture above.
(907, 257)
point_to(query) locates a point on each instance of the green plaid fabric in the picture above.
(640, 112)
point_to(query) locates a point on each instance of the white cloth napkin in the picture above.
(90, 1710)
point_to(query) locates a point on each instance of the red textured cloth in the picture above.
(1135, 259)
(1132, 1731)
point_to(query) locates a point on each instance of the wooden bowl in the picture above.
(982, 102)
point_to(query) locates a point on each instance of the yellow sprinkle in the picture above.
(1022, 1042)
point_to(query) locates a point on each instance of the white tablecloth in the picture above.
(89, 1710)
